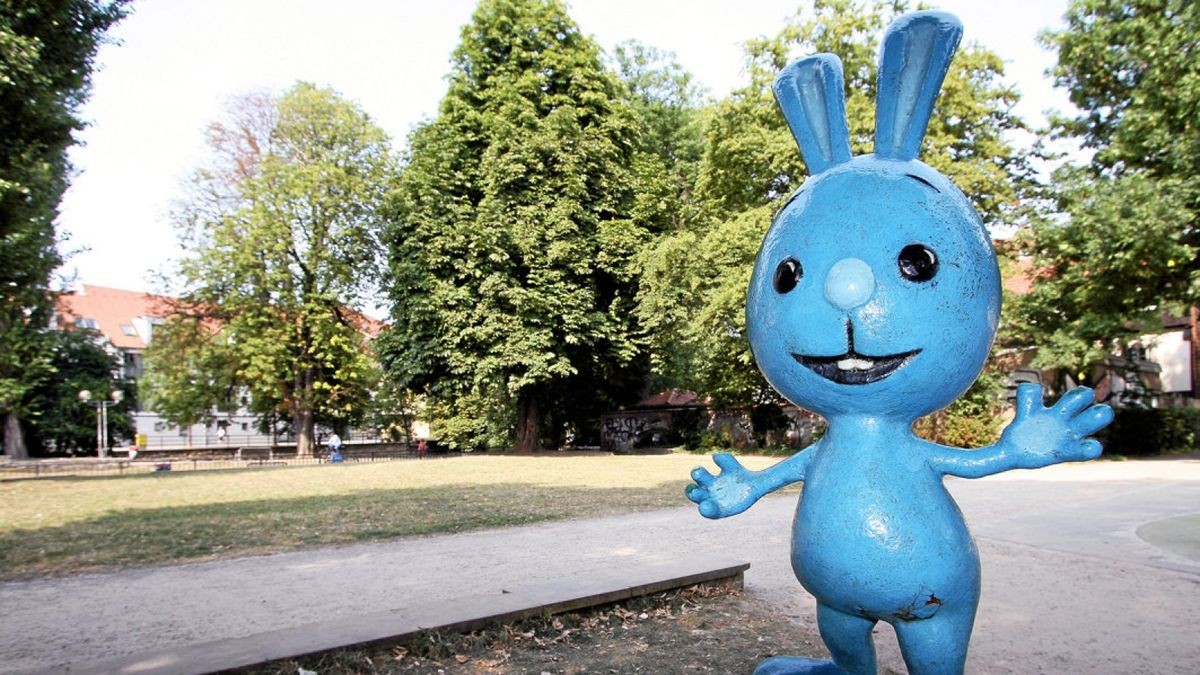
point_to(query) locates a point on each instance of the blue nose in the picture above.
(850, 283)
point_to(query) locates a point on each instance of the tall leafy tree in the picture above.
(191, 370)
(693, 292)
(1123, 255)
(1127, 246)
(671, 112)
(669, 106)
(1130, 67)
(283, 231)
(513, 242)
(64, 423)
(47, 49)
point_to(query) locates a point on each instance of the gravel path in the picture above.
(1069, 586)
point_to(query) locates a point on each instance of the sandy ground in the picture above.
(1069, 585)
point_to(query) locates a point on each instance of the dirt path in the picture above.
(1069, 586)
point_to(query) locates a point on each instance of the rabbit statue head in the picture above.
(876, 290)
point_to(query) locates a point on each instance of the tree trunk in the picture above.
(14, 438)
(527, 422)
(302, 414)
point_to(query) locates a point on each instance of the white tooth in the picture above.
(853, 364)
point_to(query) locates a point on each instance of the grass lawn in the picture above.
(66, 525)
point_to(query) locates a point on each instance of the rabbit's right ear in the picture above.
(810, 93)
(917, 50)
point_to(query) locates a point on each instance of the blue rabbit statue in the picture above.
(874, 301)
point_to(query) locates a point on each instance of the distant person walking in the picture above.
(221, 434)
(421, 448)
(335, 448)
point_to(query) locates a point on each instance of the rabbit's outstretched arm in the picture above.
(736, 488)
(1038, 436)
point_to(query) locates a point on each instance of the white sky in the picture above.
(179, 61)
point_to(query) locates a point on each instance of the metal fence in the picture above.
(162, 463)
(233, 440)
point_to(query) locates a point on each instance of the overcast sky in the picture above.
(178, 61)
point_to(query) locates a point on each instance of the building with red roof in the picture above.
(125, 321)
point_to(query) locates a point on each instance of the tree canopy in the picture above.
(282, 230)
(47, 49)
(513, 239)
(65, 424)
(693, 290)
(1125, 246)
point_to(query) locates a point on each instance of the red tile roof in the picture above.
(671, 398)
(112, 308)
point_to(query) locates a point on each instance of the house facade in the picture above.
(1176, 351)
(126, 321)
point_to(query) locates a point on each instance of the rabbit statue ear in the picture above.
(917, 50)
(810, 93)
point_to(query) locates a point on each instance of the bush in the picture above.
(1150, 431)
(974, 420)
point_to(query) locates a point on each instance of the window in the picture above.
(83, 322)
(128, 330)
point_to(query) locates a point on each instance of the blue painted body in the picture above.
(874, 301)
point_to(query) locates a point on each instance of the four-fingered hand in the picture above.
(729, 493)
(1040, 436)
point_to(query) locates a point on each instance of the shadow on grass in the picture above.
(138, 537)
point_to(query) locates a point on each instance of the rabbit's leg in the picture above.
(937, 645)
(848, 638)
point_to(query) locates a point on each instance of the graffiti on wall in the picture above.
(623, 432)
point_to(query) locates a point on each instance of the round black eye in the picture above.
(787, 274)
(917, 263)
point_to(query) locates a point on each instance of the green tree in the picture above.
(669, 106)
(1121, 259)
(513, 243)
(47, 49)
(1125, 247)
(1130, 67)
(63, 423)
(191, 370)
(693, 289)
(282, 230)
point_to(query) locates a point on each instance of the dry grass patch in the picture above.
(65, 525)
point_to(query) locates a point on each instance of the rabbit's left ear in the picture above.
(810, 93)
(917, 50)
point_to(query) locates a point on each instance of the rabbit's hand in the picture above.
(728, 493)
(1040, 436)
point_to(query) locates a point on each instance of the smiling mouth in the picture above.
(855, 368)
(852, 367)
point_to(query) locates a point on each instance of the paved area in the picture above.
(1069, 585)
(462, 615)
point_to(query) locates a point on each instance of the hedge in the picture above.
(1151, 431)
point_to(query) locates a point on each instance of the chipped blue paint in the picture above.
(874, 301)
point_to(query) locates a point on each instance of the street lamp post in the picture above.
(102, 406)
